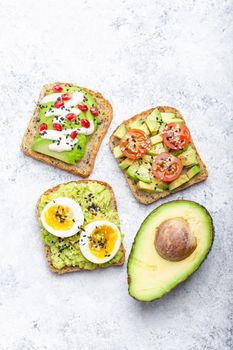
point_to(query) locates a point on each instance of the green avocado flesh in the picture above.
(140, 170)
(94, 199)
(41, 145)
(150, 276)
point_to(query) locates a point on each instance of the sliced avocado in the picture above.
(193, 171)
(188, 157)
(157, 149)
(156, 139)
(153, 126)
(144, 173)
(176, 120)
(125, 163)
(42, 146)
(151, 276)
(117, 152)
(183, 178)
(132, 171)
(166, 117)
(120, 131)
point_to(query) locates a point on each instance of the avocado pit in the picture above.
(174, 240)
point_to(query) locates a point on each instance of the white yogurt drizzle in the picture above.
(63, 141)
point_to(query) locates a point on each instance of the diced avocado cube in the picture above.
(155, 186)
(132, 171)
(193, 171)
(166, 117)
(147, 158)
(160, 184)
(156, 139)
(153, 126)
(136, 124)
(125, 163)
(145, 129)
(144, 173)
(120, 131)
(117, 152)
(188, 157)
(171, 118)
(178, 182)
(155, 115)
(162, 126)
(148, 187)
(157, 149)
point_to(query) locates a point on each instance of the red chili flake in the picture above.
(85, 123)
(94, 111)
(57, 127)
(57, 88)
(43, 127)
(71, 117)
(58, 104)
(66, 97)
(73, 134)
(83, 108)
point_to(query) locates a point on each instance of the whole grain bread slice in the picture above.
(47, 250)
(145, 197)
(85, 166)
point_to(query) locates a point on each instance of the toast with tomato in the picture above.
(67, 127)
(156, 153)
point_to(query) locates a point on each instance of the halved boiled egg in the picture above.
(62, 217)
(100, 241)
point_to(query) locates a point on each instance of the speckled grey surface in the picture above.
(138, 54)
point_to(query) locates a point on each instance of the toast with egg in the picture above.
(143, 196)
(85, 166)
(47, 250)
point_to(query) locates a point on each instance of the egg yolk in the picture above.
(102, 241)
(59, 217)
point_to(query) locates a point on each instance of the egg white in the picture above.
(77, 215)
(84, 241)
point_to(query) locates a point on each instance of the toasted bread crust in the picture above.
(47, 250)
(148, 198)
(83, 167)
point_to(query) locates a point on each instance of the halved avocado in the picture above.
(160, 258)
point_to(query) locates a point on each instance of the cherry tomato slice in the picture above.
(71, 117)
(135, 144)
(176, 136)
(57, 88)
(73, 134)
(83, 108)
(94, 111)
(166, 167)
(85, 123)
(58, 104)
(43, 127)
(57, 127)
(66, 97)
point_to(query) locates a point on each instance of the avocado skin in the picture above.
(135, 241)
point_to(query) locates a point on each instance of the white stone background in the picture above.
(139, 54)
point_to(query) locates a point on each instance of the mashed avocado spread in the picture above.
(94, 199)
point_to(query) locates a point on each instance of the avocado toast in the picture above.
(67, 127)
(145, 186)
(97, 202)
